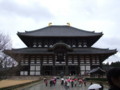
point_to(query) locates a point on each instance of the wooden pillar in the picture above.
(41, 65)
(54, 69)
(66, 70)
(66, 66)
(29, 60)
(90, 61)
(78, 57)
(100, 61)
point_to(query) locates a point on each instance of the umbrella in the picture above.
(68, 80)
(94, 86)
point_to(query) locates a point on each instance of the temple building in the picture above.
(57, 49)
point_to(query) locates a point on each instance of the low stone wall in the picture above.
(16, 80)
(25, 77)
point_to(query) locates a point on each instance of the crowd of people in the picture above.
(73, 82)
(52, 82)
(113, 78)
(66, 82)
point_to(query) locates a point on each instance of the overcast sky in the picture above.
(91, 15)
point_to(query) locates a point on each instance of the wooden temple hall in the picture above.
(59, 49)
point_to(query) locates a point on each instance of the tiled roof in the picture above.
(58, 31)
(31, 51)
(97, 70)
(75, 51)
(93, 51)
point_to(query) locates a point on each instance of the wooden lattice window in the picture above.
(35, 69)
(79, 44)
(50, 43)
(38, 60)
(73, 43)
(84, 44)
(46, 43)
(39, 44)
(34, 44)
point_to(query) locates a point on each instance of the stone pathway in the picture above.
(41, 86)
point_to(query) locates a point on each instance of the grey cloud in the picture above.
(109, 10)
(34, 11)
(111, 43)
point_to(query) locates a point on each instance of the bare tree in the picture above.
(5, 43)
(8, 61)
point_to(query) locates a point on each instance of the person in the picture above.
(68, 84)
(72, 83)
(101, 86)
(54, 82)
(46, 82)
(80, 82)
(75, 82)
(91, 83)
(84, 81)
(62, 81)
(113, 77)
(51, 83)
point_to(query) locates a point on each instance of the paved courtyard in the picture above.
(41, 86)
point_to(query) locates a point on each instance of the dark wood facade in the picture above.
(56, 50)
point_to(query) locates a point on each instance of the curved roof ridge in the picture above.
(59, 30)
(60, 26)
(33, 30)
(103, 48)
(84, 30)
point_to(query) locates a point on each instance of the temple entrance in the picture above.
(73, 70)
(60, 70)
(47, 70)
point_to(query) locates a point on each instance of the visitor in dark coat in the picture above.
(101, 86)
(51, 83)
(113, 77)
(72, 83)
